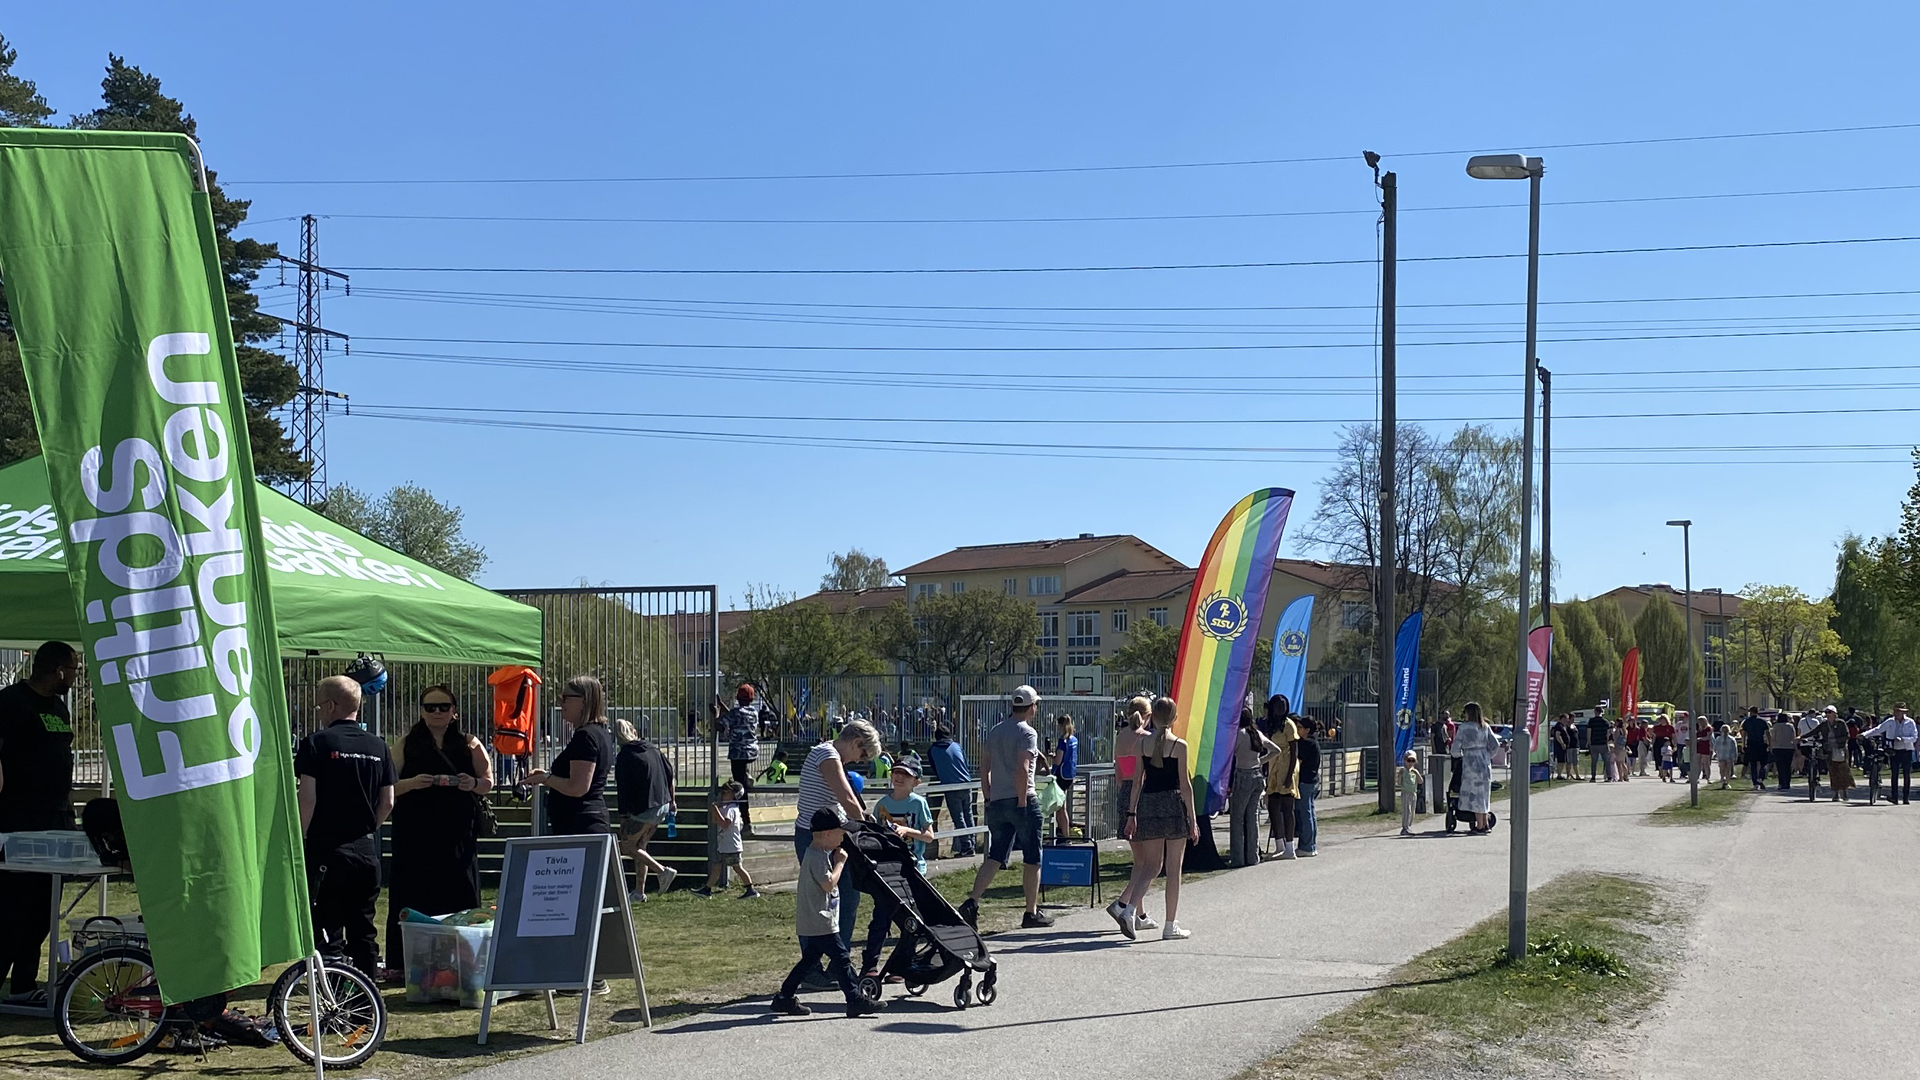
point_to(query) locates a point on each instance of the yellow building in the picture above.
(1091, 591)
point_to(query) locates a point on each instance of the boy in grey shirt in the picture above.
(817, 920)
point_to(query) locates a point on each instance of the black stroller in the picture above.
(935, 942)
(1454, 814)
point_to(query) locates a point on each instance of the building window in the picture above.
(1083, 629)
(1715, 677)
(1044, 585)
(1157, 616)
(957, 587)
(1710, 704)
(925, 589)
(1049, 630)
(1082, 659)
(1121, 619)
(1045, 672)
(1354, 614)
(1010, 586)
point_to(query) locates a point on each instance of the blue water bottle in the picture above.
(672, 829)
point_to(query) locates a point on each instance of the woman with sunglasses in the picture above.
(577, 781)
(443, 771)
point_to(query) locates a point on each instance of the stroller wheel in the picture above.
(1453, 821)
(916, 989)
(870, 987)
(963, 993)
(988, 993)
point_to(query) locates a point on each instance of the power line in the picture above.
(1058, 170)
(1124, 452)
(1316, 346)
(1108, 218)
(897, 270)
(1235, 380)
(1141, 307)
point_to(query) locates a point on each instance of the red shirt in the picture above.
(1663, 730)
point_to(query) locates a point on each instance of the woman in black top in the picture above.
(1306, 820)
(436, 868)
(577, 780)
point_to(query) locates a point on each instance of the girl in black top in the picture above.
(577, 780)
(436, 866)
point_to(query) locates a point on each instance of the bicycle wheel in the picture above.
(353, 1017)
(107, 1007)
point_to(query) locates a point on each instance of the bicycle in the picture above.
(108, 1010)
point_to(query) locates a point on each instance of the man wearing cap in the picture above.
(742, 725)
(1006, 779)
(1901, 734)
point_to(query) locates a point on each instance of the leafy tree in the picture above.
(1457, 507)
(131, 100)
(1665, 653)
(1791, 647)
(957, 633)
(638, 657)
(1613, 623)
(20, 102)
(1567, 682)
(411, 521)
(856, 570)
(787, 637)
(1875, 636)
(1152, 649)
(1576, 624)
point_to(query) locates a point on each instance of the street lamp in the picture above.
(1521, 167)
(1693, 701)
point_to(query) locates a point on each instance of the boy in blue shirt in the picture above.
(907, 811)
(817, 919)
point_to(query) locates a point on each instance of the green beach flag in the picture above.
(108, 255)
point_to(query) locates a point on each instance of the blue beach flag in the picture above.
(1290, 652)
(1406, 663)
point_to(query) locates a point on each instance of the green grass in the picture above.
(1463, 1006)
(1716, 806)
(696, 953)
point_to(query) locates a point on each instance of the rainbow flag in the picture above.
(1223, 623)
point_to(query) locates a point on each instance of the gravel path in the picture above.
(1275, 947)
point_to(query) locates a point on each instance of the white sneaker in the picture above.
(1287, 852)
(666, 878)
(1120, 912)
(635, 896)
(1144, 921)
(1173, 932)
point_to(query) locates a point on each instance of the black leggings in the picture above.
(1783, 768)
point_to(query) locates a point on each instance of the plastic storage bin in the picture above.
(445, 963)
(49, 847)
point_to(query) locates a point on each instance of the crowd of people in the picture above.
(1813, 744)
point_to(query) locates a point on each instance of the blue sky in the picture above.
(433, 91)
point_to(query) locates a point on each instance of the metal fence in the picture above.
(654, 648)
(656, 651)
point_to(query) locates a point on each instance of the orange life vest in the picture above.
(514, 700)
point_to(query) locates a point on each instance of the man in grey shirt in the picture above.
(1006, 779)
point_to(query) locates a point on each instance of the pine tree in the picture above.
(131, 100)
(1661, 631)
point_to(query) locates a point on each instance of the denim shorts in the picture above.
(1007, 824)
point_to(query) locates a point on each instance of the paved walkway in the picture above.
(1275, 947)
(1800, 964)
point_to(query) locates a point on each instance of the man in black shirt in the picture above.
(346, 791)
(36, 792)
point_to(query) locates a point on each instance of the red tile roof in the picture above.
(1029, 553)
(842, 601)
(1127, 586)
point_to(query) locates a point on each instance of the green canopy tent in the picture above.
(335, 593)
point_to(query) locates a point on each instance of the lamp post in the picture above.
(1685, 526)
(1521, 167)
(1388, 572)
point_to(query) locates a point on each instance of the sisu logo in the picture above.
(1293, 643)
(1223, 617)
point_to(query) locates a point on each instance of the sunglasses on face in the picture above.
(437, 706)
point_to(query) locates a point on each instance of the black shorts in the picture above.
(1065, 782)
